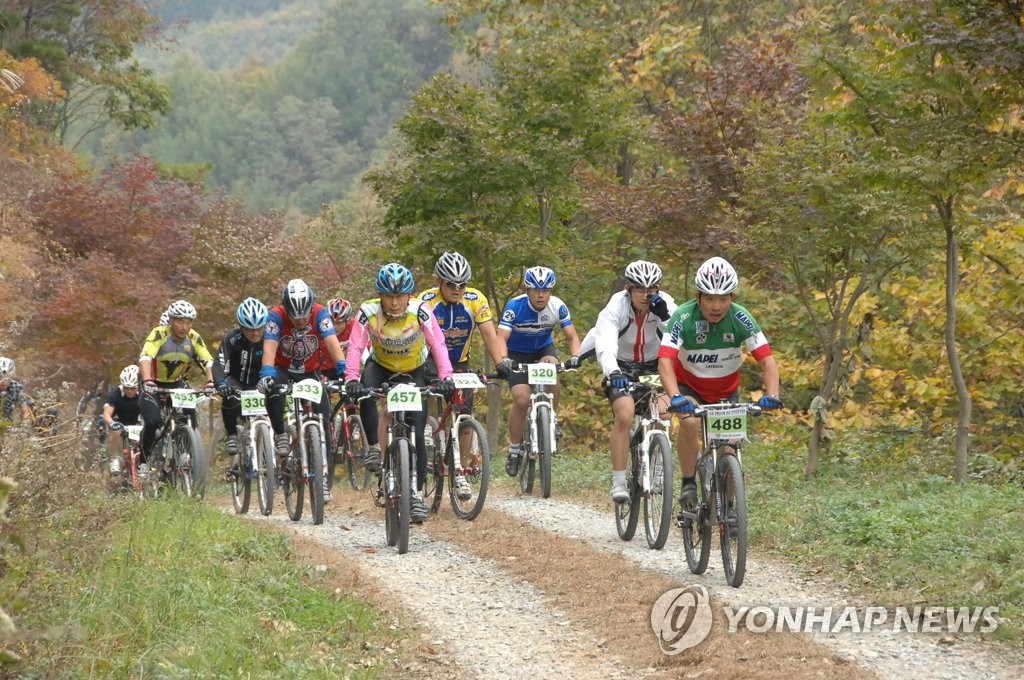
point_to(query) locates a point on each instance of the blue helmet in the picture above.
(395, 279)
(539, 277)
(252, 313)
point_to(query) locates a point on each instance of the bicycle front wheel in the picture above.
(241, 483)
(184, 444)
(544, 437)
(475, 457)
(658, 501)
(266, 471)
(433, 483)
(294, 492)
(732, 524)
(355, 449)
(627, 514)
(315, 455)
(696, 524)
(404, 493)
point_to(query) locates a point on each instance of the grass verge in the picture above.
(173, 588)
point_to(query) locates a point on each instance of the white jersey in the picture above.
(622, 335)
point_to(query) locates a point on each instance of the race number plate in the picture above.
(727, 423)
(542, 374)
(254, 403)
(183, 399)
(652, 379)
(467, 381)
(134, 432)
(404, 398)
(308, 389)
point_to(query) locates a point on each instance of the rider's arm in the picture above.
(494, 344)
(435, 340)
(149, 350)
(574, 339)
(770, 369)
(357, 342)
(605, 334)
(108, 414)
(667, 371)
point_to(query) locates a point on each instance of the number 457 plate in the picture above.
(727, 423)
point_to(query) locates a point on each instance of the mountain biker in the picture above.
(237, 366)
(12, 394)
(399, 331)
(121, 408)
(341, 312)
(626, 339)
(297, 331)
(165, 359)
(526, 329)
(700, 356)
(458, 310)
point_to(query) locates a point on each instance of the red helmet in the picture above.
(340, 309)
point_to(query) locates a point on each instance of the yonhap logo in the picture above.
(681, 618)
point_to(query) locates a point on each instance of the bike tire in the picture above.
(658, 502)
(628, 514)
(477, 472)
(433, 484)
(182, 456)
(355, 448)
(241, 484)
(337, 436)
(697, 527)
(200, 467)
(390, 484)
(294, 491)
(315, 480)
(733, 531)
(544, 437)
(266, 473)
(405, 493)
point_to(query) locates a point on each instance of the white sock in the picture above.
(618, 477)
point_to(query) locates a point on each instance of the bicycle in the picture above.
(396, 479)
(305, 464)
(649, 475)
(256, 459)
(539, 439)
(446, 459)
(127, 477)
(178, 458)
(722, 498)
(349, 445)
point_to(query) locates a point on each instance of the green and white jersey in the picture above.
(709, 354)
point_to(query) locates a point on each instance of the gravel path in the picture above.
(771, 583)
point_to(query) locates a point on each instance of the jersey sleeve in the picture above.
(358, 339)
(508, 317)
(564, 318)
(672, 341)
(435, 340)
(203, 356)
(481, 308)
(606, 335)
(753, 337)
(324, 324)
(152, 344)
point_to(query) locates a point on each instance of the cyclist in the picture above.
(341, 311)
(165, 359)
(458, 310)
(626, 339)
(121, 408)
(527, 331)
(700, 356)
(298, 330)
(399, 330)
(12, 394)
(237, 367)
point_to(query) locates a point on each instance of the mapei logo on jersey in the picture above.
(677, 329)
(701, 358)
(747, 322)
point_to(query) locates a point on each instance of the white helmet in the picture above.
(453, 267)
(298, 299)
(716, 277)
(6, 368)
(181, 309)
(539, 277)
(165, 319)
(643, 274)
(130, 376)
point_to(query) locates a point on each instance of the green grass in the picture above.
(876, 516)
(178, 589)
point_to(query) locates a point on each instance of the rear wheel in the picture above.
(733, 530)
(627, 514)
(315, 455)
(696, 525)
(475, 457)
(355, 448)
(266, 472)
(658, 503)
(544, 437)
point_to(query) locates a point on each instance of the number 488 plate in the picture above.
(728, 423)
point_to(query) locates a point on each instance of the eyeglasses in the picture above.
(455, 286)
(646, 292)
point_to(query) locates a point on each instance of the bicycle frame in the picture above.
(648, 425)
(306, 415)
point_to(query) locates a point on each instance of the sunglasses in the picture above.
(646, 292)
(454, 286)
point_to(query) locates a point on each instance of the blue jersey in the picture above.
(531, 329)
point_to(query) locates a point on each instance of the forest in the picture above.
(859, 163)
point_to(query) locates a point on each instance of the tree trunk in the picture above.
(819, 407)
(493, 391)
(963, 424)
